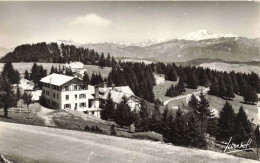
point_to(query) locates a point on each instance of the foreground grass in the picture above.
(22, 118)
(21, 159)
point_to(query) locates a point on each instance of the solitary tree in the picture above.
(7, 96)
(27, 98)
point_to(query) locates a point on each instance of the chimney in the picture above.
(113, 87)
(96, 92)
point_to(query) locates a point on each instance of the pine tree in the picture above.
(123, 115)
(226, 123)
(143, 120)
(243, 129)
(235, 83)
(165, 129)
(192, 81)
(26, 75)
(7, 96)
(230, 92)
(102, 61)
(9, 72)
(214, 88)
(171, 74)
(108, 110)
(178, 129)
(181, 85)
(194, 136)
(250, 95)
(203, 111)
(156, 119)
(203, 78)
(222, 88)
(86, 78)
(194, 103)
(52, 70)
(212, 123)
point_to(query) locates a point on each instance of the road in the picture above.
(184, 96)
(58, 145)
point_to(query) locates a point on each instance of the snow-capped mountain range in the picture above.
(204, 34)
(199, 35)
(195, 45)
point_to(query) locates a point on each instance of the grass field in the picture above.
(244, 68)
(160, 90)
(22, 118)
(22, 66)
(23, 115)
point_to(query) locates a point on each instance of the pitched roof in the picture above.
(56, 79)
(116, 96)
(124, 89)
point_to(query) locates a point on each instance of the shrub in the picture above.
(113, 130)
(148, 136)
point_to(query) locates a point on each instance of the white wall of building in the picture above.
(74, 100)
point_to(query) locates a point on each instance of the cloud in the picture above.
(91, 19)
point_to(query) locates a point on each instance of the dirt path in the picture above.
(46, 115)
(58, 145)
(184, 96)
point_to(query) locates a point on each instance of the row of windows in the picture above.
(48, 94)
(81, 96)
(75, 87)
(81, 105)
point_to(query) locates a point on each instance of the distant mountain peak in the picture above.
(204, 34)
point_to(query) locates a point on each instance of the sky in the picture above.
(32, 22)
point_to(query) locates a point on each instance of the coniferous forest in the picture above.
(53, 53)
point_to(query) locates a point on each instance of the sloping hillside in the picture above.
(74, 146)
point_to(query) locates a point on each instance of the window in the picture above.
(66, 88)
(67, 97)
(67, 106)
(53, 95)
(43, 92)
(75, 87)
(76, 96)
(57, 96)
(82, 96)
(82, 105)
(47, 93)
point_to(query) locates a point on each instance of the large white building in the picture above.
(67, 92)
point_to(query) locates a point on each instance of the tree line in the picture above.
(53, 53)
